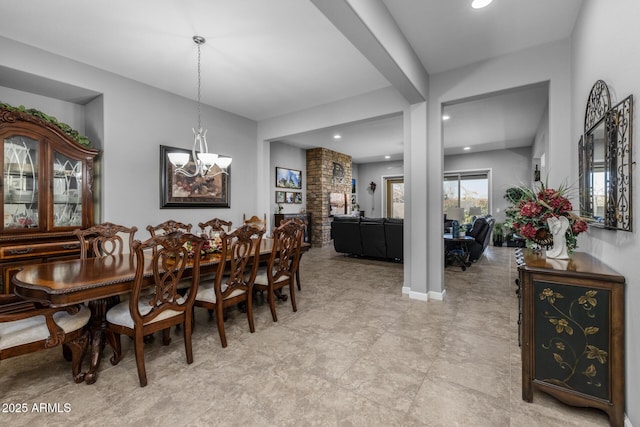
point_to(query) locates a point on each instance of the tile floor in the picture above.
(357, 352)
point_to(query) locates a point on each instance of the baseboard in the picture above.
(421, 296)
(627, 421)
(438, 296)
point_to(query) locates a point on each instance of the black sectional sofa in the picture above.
(370, 237)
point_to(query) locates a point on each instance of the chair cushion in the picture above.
(120, 315)
(262, 279)
(206, 293)
(32, 329)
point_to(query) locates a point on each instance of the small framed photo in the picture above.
(297, 198)
(280, 196)
(289, 197)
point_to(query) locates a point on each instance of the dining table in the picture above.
(99, 282)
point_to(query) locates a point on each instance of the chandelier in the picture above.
(202, 159)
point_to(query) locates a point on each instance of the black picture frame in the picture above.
(288, 178)
(181, 191)
(280, 197)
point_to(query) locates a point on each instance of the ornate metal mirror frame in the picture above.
(605, 160)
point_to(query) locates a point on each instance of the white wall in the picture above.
(509, 168)
(136, 120)
(371, 203)
(605, 46)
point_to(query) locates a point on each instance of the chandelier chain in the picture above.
(199, 77)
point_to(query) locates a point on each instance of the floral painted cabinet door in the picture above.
(573, 332)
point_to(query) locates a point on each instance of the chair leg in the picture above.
(292, 295)
(78, 349)
(298, 279)
(271, 297)
(188, 330)
(252, 327)
(166, 337)
(114, 341)
(138, 345)
(220, 322)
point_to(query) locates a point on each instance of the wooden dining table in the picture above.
(99, 281)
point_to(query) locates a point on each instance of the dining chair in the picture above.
(105, 239)
(303, 224)
(146, 313)
(233, 282)
(283, 263)
(168, 227)
(27, 327)
(214, 225)
(255, 221)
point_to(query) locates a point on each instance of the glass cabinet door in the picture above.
(20, 179)
(67, 191)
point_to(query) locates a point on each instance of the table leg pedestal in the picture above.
(98, 325)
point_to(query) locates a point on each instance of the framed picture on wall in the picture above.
(180, 190)
(337, 204)
(288, 178)
(297, 198)
(280, 197)
(353, 186)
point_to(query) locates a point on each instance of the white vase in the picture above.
(558, 227)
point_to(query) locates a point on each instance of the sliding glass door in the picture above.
(468, 190)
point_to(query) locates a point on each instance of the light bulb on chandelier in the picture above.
(200, 156)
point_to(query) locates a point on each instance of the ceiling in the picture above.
(263, 59)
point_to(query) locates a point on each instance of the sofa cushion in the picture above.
(393, 233)
(373, 238)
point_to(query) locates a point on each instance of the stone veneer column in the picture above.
(321, 182)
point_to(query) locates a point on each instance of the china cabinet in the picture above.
(573, 331)
(46, 191)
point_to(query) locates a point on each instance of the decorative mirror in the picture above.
(605, 161)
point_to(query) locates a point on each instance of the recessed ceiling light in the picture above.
(467, 148)
(445, 117)
(387, 157)
(479, 4)
(337, 136)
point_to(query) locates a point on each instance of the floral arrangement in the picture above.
(533, 206)
(210, 246)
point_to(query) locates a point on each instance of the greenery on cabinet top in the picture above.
(80, 139)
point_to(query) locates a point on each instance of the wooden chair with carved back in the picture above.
(168, 226)
(255, 221)
(303, 224)
(214, 226)
(105, 239)
(283, 263)
(233, 282)
(146, 313)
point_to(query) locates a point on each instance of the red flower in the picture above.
(530, 209)
(579, 226)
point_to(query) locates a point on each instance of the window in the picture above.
(467, 190)
(394, 196)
